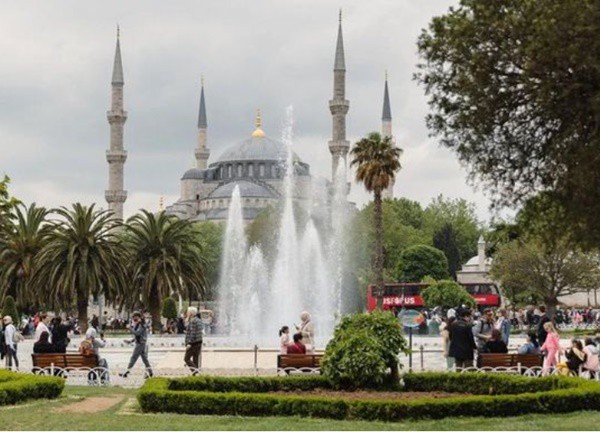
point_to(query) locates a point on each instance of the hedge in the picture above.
(250, 384)
(17, 387)
(552, 395)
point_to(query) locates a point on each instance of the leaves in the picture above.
(446, 294)
(419, 261)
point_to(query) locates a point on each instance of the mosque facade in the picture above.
(256, 164)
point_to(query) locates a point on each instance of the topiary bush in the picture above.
(364, 351)
(10, 309)
(18, 387)
(446, 294)
(420, 261)
(169, 308)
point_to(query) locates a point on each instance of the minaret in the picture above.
(202, 152)
(386, 130)
(339, 146)
(116, 155)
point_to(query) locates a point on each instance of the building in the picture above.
(477, 269)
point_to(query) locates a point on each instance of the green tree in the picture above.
(17, 258)
(7, 204)
(166, 258)
(444, 239)
(514, 88)
(10, 309)
(83, 256)
(377, 161)
(420, 261)
(446, 294)
(169, 308)
(210, 236)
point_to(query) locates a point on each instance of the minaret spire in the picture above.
(116, 155)
(338, 106)
(386, 129)
(202, 152)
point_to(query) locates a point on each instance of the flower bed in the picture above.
(493, 395)
(16, 387)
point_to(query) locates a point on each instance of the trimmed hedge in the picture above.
(551, 395)
(17, 387)
(249, 384)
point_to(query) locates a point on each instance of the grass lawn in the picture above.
(46, 415)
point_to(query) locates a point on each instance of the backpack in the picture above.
(86, 348)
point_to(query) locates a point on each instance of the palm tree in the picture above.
(84, 256)
(166, 258)
(17, 258)
(377, 161)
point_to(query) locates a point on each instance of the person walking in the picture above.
(483, 329)
(193, 340)
(445, 333)
(551, 347)
(140, 338)
(462, 344)
(11, 338)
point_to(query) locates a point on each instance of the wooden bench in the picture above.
(299, 361)
(525, 361)
(61, 360)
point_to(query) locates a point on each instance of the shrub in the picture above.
(364, 348)
(249, 384)
(10, 309)
(419, 261)
(446, 294)
(169, 308)
(17, 387)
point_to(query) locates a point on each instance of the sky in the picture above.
(55, 90)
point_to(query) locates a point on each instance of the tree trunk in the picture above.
(378, 247)
(154, 307)
(82, 311)
(551, 304)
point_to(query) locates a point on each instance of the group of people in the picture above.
(303, 340)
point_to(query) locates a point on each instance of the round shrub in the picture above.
(420, 261)
(446, 294)
(10, 309)
(169, 308)
(364, 350)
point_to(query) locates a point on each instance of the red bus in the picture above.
(397, 295)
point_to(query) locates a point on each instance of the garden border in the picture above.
(232, 396)
(18, 387)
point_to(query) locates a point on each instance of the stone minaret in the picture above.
(116, 155)
(339, 146)
(386, 130)
(202, 152)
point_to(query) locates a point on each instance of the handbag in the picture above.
(17, 337)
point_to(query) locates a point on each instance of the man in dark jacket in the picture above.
(462, 343)
(193, 340)
(541, 331)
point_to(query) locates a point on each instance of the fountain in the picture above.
(258, 297)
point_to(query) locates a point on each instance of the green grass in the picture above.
(42, 415)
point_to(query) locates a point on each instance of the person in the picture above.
(592, 362)
(542, 333)
(307, 329)
(297, 347)
(483, 329)
(181, 324)
(445, 333)
(575, 358)
(462, 343)
(139, 331)
(95, 322)
(531, 345)
(503, 325)
(193, 340)
(495, 344)
(41, 327)
(60, 334)
(2, 344)
(551, 347)
(284, 339)
(43, 346)
(10, 342)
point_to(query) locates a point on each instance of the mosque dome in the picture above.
(193, 174)
(248, 189)
(257, 148)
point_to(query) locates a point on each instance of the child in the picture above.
(284, 339)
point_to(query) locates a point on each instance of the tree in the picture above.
(7, 204)
(166, 258)
(83, 256)
(210, 236)
(17, 258)
(514, 88)
(10, 309)
(418, 262)
(169, 308)
(444, 239)
(377, 161)
(446, 294)
(546, 270)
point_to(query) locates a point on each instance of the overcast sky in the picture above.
(55, 90)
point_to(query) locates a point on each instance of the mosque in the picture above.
(256, 164)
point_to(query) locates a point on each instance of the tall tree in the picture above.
(166, 258)
(377, 161)
(83, 256)
(514, 88)
(420, 261)
(17, 258)
(444, 239)
(7, 204)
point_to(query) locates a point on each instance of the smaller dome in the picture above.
(193, 174)
(247, 190)
(474, 262)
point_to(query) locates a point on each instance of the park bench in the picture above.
(523, 361)
(59, 364)
(299, 362)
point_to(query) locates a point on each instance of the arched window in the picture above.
(261, 170)
(250, 170)
(221, 173)
(239, 170)
(229, 171)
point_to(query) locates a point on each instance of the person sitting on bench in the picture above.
(297, 347)
(42, 346)
(495, 344)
